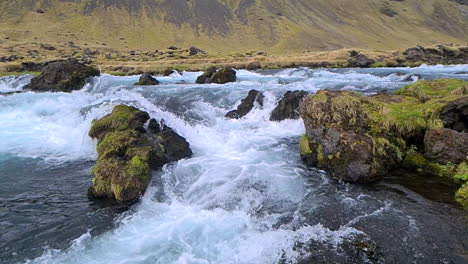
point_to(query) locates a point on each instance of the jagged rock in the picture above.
(62, 76)
(246, 105)
(455, 114)
(437, 55)
(288, 106)
(147, 79)
(153, 126)
(359, 60)
(446, 146)
(127, 153)
(47, 47)
(221, 76)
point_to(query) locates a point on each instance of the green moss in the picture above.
(139, 168)
(461, 174)
(122, 117)
(116, 143)
(320, 154)
(426, 90)
(462, 195)
(415, 161)
(305, 147)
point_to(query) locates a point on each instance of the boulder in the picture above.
(446, 146)
(168, 72)
(359, 60)
(361, 138)
(128, 152)
(288, 106)
(246, 105)
(194, 51)
(206, 76)
(147, 79)
(62, 76)
(221, 76)
(455, 114)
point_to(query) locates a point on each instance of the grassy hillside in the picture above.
(275, 26)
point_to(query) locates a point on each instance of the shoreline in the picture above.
(135, 62)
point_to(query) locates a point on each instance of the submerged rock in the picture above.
(127, 153)
(247, 104)
(221, 76)
(360, 138)
(62, 76)
(168, 72)
(147, 79)
(288, 107)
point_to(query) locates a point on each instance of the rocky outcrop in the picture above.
(359, 60)
(439, 54)
(221, 76)
(288, 106)
(246, 105)
(128, 152)
(168, 72)
(147, 79)
(361, 138)
(62, 76)
(455, 114)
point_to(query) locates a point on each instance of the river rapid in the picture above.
(244, 197)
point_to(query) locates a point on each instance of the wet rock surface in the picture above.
(246, 105)
(147, 79)
(288, 106)
(62, 76)
(222, 76)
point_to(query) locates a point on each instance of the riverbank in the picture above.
(126, 63)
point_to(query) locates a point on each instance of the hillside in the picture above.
(275, 26)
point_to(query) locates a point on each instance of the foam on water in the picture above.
(225, 204)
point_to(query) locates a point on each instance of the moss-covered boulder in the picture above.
(128, 152)
(361, 138)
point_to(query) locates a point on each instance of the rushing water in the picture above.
(244, 197)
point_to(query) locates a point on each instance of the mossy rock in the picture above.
(123, 117)
(127, 153)
(462, 195)
(371, 133)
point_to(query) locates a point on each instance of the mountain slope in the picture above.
(237, 25)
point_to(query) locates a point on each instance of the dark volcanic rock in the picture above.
(127, 153)
(168, 72)
(194, 51)
(221, 76)
(147, 79)
(246, 105)
(436, 55)
(288, 106)
(455, 115)
(359, 60)
(446, 146)
(62, 76)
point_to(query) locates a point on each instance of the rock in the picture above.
(172, 48)
(127, 153)
(194, 51)
(147, 79)
(339, 137)
(288, 106)
(154, 127)
(359, 60)
(47, 47)
(206, 76)
(40, 11)
(359, 138)
(455, 115)
(246, 105)
(446, 146)
(168, 72)
(221, 76)
(254, 65)
(436, 55)
(62, 76)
